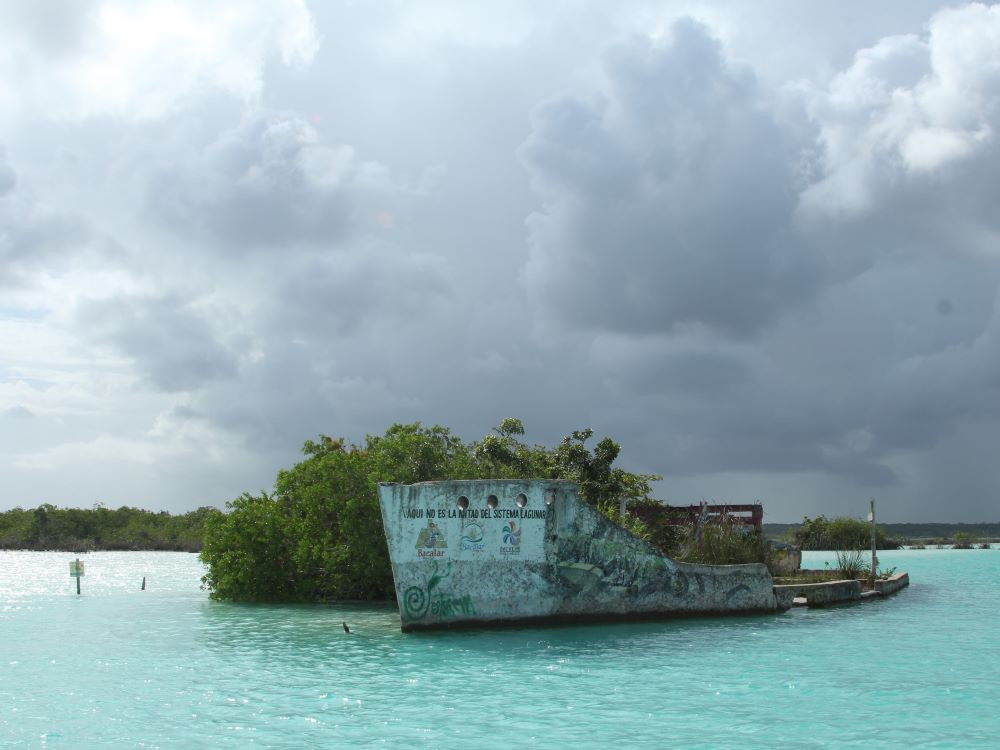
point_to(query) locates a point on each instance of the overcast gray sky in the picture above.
(757, 244)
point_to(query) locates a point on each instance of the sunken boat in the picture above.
(490, 552)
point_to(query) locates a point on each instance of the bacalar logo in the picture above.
(472, 537)
(511, 539)
(431, 541)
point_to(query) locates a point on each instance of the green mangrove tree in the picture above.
(318, 536)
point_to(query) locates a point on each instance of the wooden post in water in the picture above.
(77, 573)
(871, 518)
(144, 583)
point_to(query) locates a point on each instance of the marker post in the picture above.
(871, 518)
(76, 571)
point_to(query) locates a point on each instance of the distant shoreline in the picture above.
(902, 531)
(87, 550)
(49, 528)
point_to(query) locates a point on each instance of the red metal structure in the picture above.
(751, 515)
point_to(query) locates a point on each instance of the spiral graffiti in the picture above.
(415, 602)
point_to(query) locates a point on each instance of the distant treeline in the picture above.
(905, 532)
(79, 530)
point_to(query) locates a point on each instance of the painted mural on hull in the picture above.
(484, 551)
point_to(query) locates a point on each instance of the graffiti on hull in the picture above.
(419, 600)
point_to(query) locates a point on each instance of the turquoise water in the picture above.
(119, 667)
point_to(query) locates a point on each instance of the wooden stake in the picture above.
(871, 517)
(144, 583)
(78, 576)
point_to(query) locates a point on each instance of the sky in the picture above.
(756, 244)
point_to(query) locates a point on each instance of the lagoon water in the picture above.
(167, 668)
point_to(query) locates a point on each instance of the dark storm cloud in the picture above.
(369, 287)
(269, 182)
(706, 314)
(875, 374)
(642, 366)
(771, 294)
(668, 199)
(769, 260)
(172, 344)
(346, 342)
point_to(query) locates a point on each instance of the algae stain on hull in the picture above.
(541, 554)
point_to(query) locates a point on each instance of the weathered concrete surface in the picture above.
(549, 556)
(825, 593)
(892, 584)
(821, 594)
(786, 596)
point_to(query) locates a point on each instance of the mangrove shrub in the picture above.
(49, 527)
(318, 535)
(840, 533)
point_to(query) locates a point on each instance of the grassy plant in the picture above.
(723, 544)
(851, 564)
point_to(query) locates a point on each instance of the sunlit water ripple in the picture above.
(119, 667)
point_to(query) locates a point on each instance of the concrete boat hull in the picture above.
(485, 552)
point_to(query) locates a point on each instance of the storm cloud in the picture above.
(761, 250)
(668, 196)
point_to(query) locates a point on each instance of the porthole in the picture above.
(521, 500)
(492, 502)
(463, 502)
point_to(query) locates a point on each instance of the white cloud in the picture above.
(413, 30)
(906, 107)
(148, 60)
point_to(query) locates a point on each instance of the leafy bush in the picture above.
(655, 528)
(962, 540)
(843, 533)
(319, 535)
